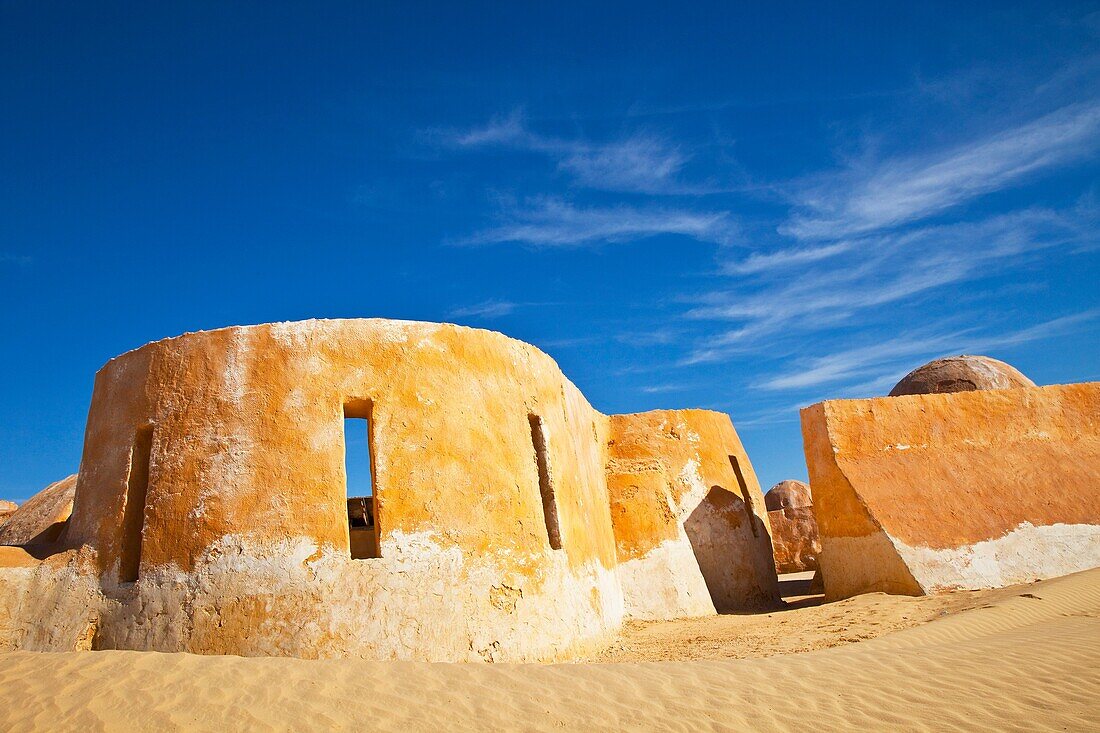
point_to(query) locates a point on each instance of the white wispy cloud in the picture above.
(854, 249)
(640, 162)
(844, 364)
(663, 388)
(654, 337)
(873, 369)
(498, 131)
(553, 222)
(885, 356)
(567, 343)
(886, 193)
(485, 309)
(783, 259)
(873, 272)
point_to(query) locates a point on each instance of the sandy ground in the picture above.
(1025, 658)
(805, 625)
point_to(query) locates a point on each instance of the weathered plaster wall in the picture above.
(42, 517)
(245, 542)
(690, 540)
(50, 604)
(921, 493)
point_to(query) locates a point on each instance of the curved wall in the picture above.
(245, 544)
(692, 536)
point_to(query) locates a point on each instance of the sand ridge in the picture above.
(1026, 659)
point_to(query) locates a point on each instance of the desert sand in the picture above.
(1021, 658)
(806, 624)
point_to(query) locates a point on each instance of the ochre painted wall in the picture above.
(925, 492)
(245, 547)
(248, 428)
(690, 539)
(210, 510)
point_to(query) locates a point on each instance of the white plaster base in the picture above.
(1025, 554)
(418, 602)
(665, 584)
(48, 608)
(877, 563)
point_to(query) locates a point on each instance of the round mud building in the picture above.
(212, 491)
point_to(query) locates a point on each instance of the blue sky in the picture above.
(741, 208)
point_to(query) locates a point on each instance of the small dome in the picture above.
(960, 374)
(789, 494)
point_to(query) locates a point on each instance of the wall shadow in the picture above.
(724, 535)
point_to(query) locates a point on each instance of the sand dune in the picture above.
(1028, 658)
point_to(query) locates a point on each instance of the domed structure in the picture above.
(795, 542)
(961, 373)
(789, 494)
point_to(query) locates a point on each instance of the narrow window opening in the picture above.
(359, 481)
(546, 486)
(745, 495)
(133, 515)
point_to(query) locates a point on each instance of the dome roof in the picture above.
(789, 494)
(960, 374)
